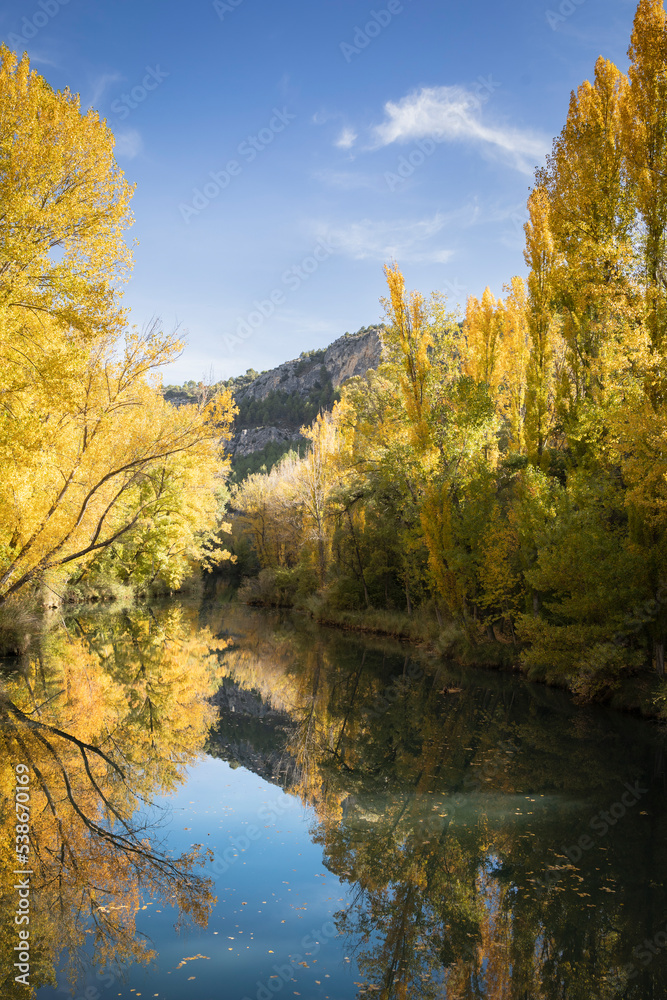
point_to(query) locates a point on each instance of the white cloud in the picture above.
(128, 144)
(411, 241)
(100, 85)
(451, 114)
(346, 139)
(41, 60)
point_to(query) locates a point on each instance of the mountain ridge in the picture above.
(275, 404)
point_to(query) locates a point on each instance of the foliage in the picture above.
(508, 472)
(100, 474)
(106, 716)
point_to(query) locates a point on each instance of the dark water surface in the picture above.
(238, 805)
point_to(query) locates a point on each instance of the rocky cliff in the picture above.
(273, 405)
(350, 355)
(251, 439)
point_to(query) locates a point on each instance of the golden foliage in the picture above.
(105, 720)
(92, 456)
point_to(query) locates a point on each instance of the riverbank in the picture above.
(23, 618)
(638, 692)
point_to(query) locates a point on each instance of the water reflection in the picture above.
(498, 841)
(104, 716)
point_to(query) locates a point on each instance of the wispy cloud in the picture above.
(411, 241)
(100, 85)
(42, 60)
(346, 139)
(454, 114)
(129, 144)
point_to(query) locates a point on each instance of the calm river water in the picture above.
(234, 805)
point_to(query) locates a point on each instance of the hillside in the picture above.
(274, 404)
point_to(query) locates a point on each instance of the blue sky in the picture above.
(283, 152)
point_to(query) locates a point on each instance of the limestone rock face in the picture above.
(350, 355)
(250, 733)
(253, 439)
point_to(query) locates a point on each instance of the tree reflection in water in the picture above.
(451, 801)
(448, 800)
(106, 717)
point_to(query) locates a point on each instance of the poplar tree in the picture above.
(542, 258)
(645, 135)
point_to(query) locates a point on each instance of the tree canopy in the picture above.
(508, 472)
(94, 460)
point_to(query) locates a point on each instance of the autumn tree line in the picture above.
(506, 476)
(102, 479)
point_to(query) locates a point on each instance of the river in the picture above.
(229, 804)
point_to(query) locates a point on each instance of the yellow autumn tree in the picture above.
(645, 148)
(86, 466)
(483, 329)
(408, 340)
(591, 221)
(513, 362)
(268, 517)
(541, 256)
(65, 206)
(93, 458)
(315, 482)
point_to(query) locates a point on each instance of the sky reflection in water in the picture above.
(401, 829)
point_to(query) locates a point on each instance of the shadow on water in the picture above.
(498, 842)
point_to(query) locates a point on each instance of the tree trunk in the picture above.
(659, 649)
(361, 565)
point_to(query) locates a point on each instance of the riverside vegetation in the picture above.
(499, 486)
(104, 484)
(496, 486)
